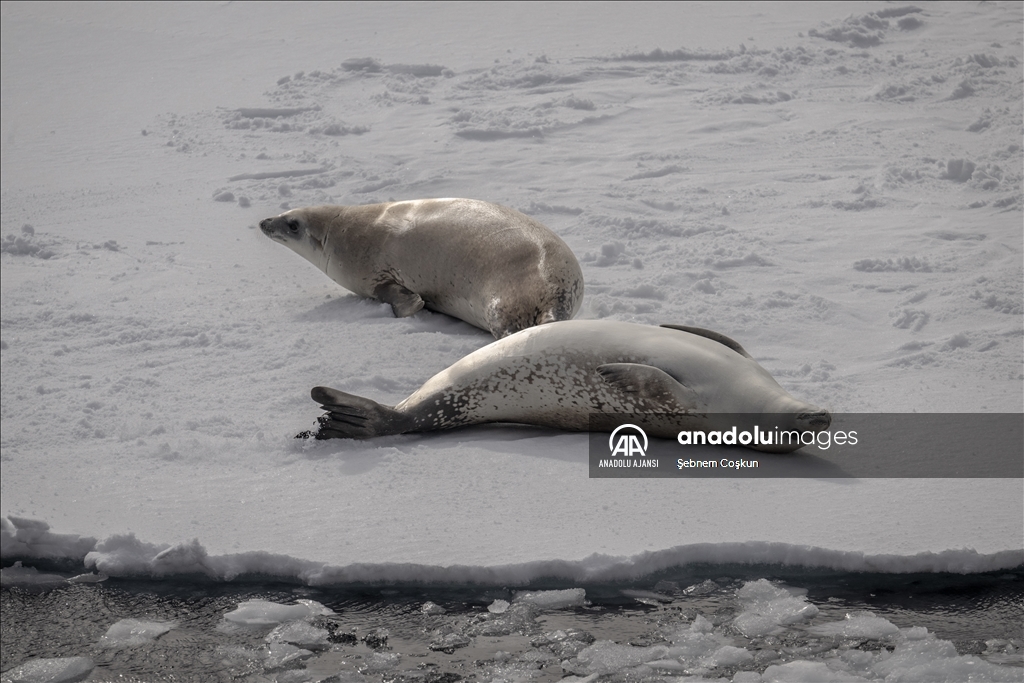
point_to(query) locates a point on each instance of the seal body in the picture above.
(489, 265)
(559, 375)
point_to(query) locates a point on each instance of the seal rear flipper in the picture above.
(713, 336)
(404, 302)
(651, 384)
(354, 417)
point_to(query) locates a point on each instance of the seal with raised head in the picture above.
(489, 265)
(667, 379)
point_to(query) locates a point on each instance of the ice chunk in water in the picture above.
(266, 613)
(668, 665)
(301, 634)
(931, 659)
(727, 655)
(647, 597)
(571, 597)
(449, 643)
(807, 672)
(130, 632)
(703, 588)
(58, 670)
(701, 625)
(379, 662)
(432, 608)
(91, 577)
(858, 625)
(768, 609)
(280, 655)
(746, 677)
(604, 656)
(563, 644)
(518, 618)
(695, 641)
(498, 607)
(28, 577)
(913, 653)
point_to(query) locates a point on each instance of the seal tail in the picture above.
(354, 417)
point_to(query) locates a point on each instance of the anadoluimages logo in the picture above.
(628, 443)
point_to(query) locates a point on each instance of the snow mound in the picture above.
(124, 555)
(21, 537)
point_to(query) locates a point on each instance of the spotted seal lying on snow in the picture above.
(487, 264)
(556, 375)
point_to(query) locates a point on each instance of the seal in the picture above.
(578, 375)
(489, 265)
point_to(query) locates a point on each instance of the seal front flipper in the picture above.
(404, 302)
(713, 336)
(652, 385)
(354, 417)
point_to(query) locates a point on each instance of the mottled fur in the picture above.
(560, 374)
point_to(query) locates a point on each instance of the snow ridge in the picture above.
(124, 555)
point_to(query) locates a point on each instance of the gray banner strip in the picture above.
(856, 445)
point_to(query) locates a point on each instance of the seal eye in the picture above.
(293, 226)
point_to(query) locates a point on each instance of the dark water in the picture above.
(69, 620)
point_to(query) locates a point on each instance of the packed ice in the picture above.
(675, 639)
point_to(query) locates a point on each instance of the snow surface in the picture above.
(836, 185)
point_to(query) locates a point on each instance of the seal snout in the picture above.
(272, 228)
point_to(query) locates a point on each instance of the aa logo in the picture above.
(625, 440)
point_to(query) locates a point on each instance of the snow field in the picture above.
(841, 193)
